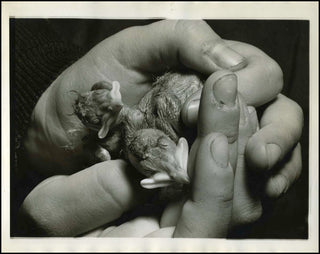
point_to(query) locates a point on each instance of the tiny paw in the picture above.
(102, 154)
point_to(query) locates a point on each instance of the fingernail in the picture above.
(277, 186)
(227, 58)
(192, 111)
(273, 153)
(225, 90)
(219, 151)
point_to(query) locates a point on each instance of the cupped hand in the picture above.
(269, 155)
(205, 211)
(132, 57)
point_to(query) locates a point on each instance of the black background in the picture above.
(287, 42)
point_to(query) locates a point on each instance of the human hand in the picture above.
(205, 211)
(247, 196)
(262, 173)
(133, 57)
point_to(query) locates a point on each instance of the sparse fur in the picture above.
(155, 118)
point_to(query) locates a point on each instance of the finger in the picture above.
(94, 233)
(247, 206)
(248, 124)
(172, 213)
(253, 118)
(218, 108)
(281, 127)
(218, 112)
(280, 182)
(262, 79)
(138, 227)
(207, 212)
(170, 43)
(71, 205)
(259, 82)
(190, 109)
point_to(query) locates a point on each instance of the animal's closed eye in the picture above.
(105, 106)
(164, 146)
(163, 143)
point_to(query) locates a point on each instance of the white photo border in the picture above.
(169, 10)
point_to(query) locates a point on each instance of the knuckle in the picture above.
(197, 31)
(207, 47)
(189, 26)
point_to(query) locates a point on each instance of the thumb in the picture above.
(171, 43)
(74, 204)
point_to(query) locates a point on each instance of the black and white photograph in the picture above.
(160, 132)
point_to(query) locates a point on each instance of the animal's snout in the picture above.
(117, 107)
(181, 176)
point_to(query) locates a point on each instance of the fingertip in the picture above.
(225, 89)
(189, 112)
(256, 155)
(220, 87)
(290, 171)
(219, 109)
(276, 186)
(222, 56)
(203, 50)
(262, 156)
(214, 77)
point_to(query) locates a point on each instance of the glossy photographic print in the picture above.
(170, 133)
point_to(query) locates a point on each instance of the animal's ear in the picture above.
(182, 153)
(158, 180)
(115, 91)
(107, 121)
